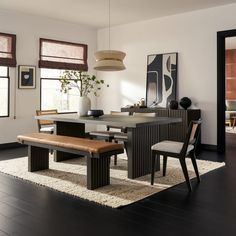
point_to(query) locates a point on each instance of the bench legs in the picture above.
(98, 172)
(98, 169)
(38, 158)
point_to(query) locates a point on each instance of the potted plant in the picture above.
(85, 84)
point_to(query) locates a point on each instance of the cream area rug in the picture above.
(70, 177)
(230, 130)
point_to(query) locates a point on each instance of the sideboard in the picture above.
(175, 132)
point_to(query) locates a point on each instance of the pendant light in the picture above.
(109, 60)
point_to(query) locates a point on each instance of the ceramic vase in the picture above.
(84, 106)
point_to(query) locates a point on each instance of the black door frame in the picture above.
(221, 36)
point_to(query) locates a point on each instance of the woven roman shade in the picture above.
(7, 50)
(56, 54)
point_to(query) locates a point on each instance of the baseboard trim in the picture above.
(209, 147)
(11, 145)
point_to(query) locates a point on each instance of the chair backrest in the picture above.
(192, 135)
(118, 113)
(149, 114)
(44, 113)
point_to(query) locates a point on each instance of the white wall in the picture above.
(193, 36)
(28, 30)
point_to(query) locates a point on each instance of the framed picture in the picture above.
(161, 79)
(27, 78)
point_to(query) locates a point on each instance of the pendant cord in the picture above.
(109, 26)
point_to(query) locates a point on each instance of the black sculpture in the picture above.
(185, 102)
(173, 105)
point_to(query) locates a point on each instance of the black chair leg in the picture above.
(125, 146)
(115, 156)
(164, 165)
(153, 167)
(115, 160)
(185, 171)
(193, 158)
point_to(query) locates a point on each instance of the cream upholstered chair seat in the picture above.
(171, 146)
(106, 135)
(121, 137)
(49, 129)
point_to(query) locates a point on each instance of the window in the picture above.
(55, 57)
(4, 91)
(56, 54)
(52, 97)
(7, 50)
(7, 59)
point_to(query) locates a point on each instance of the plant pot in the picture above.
(84, 106)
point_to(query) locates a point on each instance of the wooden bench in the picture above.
(98, 154)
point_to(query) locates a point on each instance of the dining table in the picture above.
(142, 133)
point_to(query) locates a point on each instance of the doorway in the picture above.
(221, 81)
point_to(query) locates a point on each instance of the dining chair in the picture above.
(179, 150)
(46, 126)
(110, 132)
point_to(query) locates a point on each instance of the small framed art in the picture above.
(26, 77)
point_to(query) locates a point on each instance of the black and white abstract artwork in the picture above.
(161, 79)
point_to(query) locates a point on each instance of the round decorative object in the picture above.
(84, 106)
(173, 105)
(95, 113)
(185, 102)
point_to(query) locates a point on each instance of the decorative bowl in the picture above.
(95, 113)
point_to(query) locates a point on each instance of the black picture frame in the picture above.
(26, 77)
(161, 84)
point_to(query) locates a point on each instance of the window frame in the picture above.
(8, 92)
(41, 79)
(63, 65)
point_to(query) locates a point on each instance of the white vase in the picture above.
(84, 106)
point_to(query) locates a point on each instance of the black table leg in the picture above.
(139, 144)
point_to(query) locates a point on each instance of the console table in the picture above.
(175, 132)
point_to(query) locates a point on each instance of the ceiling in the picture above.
(94, 13)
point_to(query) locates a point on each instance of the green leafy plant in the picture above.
(85, 83)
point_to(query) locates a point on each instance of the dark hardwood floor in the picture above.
(28, 209)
